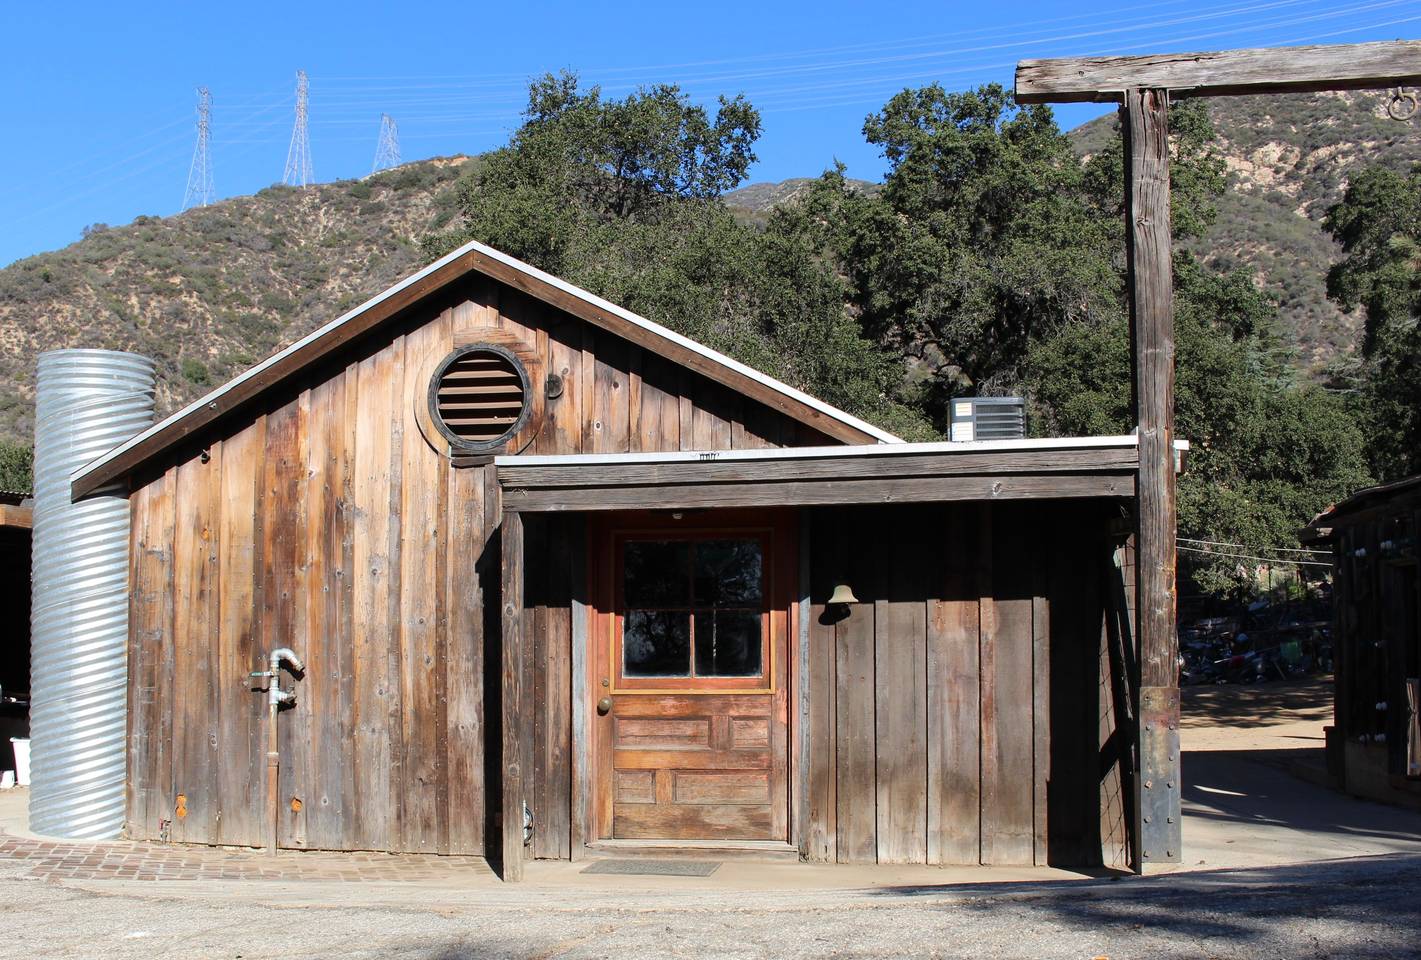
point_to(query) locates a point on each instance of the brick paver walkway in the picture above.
(68, 860)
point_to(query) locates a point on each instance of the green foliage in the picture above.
(622, 197)
(1378, 223)
(1266, 454)
(17, 473)
(195, 372)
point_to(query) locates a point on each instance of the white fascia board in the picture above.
(882, 436)
(834, 453)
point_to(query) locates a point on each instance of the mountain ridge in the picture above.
(209, 291)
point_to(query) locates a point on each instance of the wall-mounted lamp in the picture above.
(836, 608)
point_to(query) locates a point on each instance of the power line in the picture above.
(1244, 546)
(298, 155)
(1244, 556)
(387, 148)
(199, 175)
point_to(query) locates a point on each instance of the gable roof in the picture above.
(472, 257)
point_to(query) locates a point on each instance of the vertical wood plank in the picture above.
(900, 675)
(330, 787)
(1008, 816)
(534, 684)
(140, 685)
(464, 643)
(563, 433)
(821, 827)
(1041, 674)
(423, 669)
(195, 723)
(394, 423)
(242, 707)
(579, 629)
(511, 539)
(715, 412)
(296, 732)
(557, 686)
(152, 690)
(281, 536)
(660, 418)
(954, 707)
(372, 821)
(857, 788)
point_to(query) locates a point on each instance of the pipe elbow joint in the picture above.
(288, 655)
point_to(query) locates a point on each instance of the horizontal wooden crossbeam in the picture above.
(1356, 66)
(697, 496)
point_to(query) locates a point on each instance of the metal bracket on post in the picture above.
(1160, 786)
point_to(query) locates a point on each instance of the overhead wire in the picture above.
(1244, 556)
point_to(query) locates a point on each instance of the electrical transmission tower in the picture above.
(387, 150)
(298, 156)
(199, 175)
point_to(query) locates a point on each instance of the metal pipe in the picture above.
(86, 403)
(275, 697)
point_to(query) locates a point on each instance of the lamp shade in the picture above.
(843, 593)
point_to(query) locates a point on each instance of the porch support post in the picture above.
(1145, 122)
(511, 539)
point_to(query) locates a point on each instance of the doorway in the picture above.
(690, 679)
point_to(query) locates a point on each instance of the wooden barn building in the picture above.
(1374, 744)
(566, 583)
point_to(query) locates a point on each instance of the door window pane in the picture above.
(657, 573)
(728, 573)
(728, 643)
(656, 643)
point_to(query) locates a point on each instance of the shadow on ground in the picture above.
(1257, 705)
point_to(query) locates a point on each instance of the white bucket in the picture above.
(22, 760)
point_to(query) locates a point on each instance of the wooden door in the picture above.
(690, 677)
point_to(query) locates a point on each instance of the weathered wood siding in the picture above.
(323, 521)
(963, 710)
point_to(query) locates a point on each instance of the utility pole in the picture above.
(199, 175)
(387, 148)
(298, 155)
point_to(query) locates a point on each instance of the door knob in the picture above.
(604, 706)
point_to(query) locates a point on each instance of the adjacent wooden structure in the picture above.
(16, 521)
(1374, 744)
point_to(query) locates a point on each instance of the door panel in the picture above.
(695, 743)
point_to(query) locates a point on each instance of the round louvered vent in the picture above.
(479, 396)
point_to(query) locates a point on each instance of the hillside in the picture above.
(1289, 158)
(210, 291)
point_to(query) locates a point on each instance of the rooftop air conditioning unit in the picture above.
(988, 418)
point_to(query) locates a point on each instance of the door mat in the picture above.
(655, 868)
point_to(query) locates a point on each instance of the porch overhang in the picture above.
(1055, 468)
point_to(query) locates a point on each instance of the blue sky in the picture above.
(100, 97)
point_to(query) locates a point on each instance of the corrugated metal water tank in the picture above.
(86, 403)
(988, 418)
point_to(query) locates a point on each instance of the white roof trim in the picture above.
(837, 452)
(882, 436)
(656, 329)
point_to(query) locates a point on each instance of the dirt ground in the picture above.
(1265, 716)
(1275, 867)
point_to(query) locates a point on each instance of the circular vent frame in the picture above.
(480, 397)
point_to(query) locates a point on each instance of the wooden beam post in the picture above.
(511, 540)
(1145, 122)
(1222, 73)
